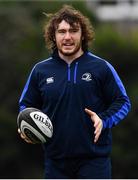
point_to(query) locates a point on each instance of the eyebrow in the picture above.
(71, 28)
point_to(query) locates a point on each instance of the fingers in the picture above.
(24, 137)
(89, 112)
(98, 124)
(98, 129)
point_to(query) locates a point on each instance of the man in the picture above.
(83, 96)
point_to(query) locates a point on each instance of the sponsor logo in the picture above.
(50, 80)
(86, 77)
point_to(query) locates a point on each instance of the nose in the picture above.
(67, 35)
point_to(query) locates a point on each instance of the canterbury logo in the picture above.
(86, 77)
(50, 80)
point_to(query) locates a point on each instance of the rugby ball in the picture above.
(35, 125)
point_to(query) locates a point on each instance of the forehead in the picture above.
(65, 25)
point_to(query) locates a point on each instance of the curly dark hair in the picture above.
(71, 16)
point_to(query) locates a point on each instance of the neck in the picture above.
(69, 59)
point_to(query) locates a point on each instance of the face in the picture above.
(68, 39)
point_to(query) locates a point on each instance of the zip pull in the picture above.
(75, 72)
(68, 72)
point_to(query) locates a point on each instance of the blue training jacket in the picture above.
(63, 91)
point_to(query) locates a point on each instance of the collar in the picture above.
(56, 56)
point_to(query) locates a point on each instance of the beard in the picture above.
(68, 52)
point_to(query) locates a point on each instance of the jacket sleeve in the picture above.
(116, 98)
(30, 96)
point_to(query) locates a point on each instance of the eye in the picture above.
(74, 30)
(61, 31)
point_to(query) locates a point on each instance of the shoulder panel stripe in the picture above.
(28, 80)
(122, 112)
(117, 79)
(26, 85)
(45, 60)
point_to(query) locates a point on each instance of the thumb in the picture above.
(89, 112)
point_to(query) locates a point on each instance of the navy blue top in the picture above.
(63, 91)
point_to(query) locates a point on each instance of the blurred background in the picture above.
(22, 45)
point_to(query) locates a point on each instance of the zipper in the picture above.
(75, 73)
(68, 72)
